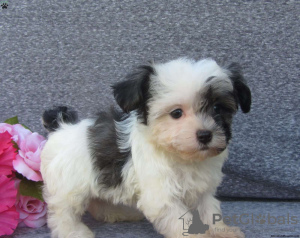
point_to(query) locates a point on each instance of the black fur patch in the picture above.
(225, 123)
(226, 102)
(240, 88)
(209, 79)
(52, 118)
(133, 94)
(104, 148)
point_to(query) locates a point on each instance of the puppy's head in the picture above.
(187, 107)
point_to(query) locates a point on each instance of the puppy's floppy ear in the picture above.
(133, 93)
(241, 90)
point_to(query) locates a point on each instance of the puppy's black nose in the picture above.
(204, 136)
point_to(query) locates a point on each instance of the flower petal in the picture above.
(35, 140)
(33, 212)
(6, 160)
(30, 161)
(31, 205)
(8, 221)
(23, 215)
(33, 160)
(31, 142)
(39, 214)
(8, 193)
(36, 223)
(21, 167)
(20, 133)
(4, 127)
(5, 141)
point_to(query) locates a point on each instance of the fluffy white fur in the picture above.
(158, 183)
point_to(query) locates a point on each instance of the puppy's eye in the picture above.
(221, 109)
(217, 108)
(176, 113)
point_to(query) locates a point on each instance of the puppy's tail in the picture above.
(54, 117)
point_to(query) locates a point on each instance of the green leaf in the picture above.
(15, 120)
(15, 145)
(31, 189)
(25, 127)
(12, 121)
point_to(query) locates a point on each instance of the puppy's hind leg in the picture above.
(64, 215)
(105, 211)
(68, 174)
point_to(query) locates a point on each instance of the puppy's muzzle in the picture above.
(204, 136)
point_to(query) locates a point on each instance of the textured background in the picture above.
(70, 52)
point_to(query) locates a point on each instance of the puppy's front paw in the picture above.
(82, 231)
(200, 236)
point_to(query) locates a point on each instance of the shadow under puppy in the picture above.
(159, 158)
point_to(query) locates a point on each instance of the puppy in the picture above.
(158, 158)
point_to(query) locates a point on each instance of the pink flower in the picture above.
(6, 127)
(32, 212)
(8, 214)
(8, 221)
(24, 210)
(17, 131)
(28, 160)
(7, 154)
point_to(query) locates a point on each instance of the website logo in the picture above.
(4, 4)
(193, 225)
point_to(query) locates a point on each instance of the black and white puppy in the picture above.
(158, 158)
